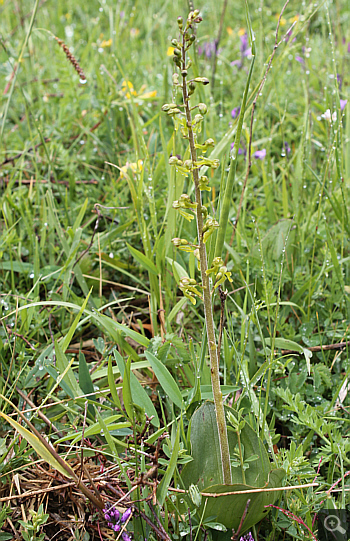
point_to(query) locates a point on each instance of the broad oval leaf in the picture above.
(228, 510)
(205, 469)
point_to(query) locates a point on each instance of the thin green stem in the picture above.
(207, 301)
(241, 456)
(16, 68)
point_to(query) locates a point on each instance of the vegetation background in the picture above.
(89, 274)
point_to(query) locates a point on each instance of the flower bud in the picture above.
(175, 43)
(184, 73)
(179, 242)
(177, 52)
(195, 13)
(197, 119)
(202, 108)
(173, 111)
(202, 80)
(191, 88)
(210, 142)
(177, 61)
(188, 164)
(175, 78)
(174, 160)
(180, 22)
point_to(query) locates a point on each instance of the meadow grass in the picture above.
(86, 228)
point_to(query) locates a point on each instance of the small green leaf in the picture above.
(178, 270)
(66, 371)
(85, 382)
(283, 343)
(139, 395)
(112, 327)
(164, 485)
(67, 339)
(112, 386)
(127, 397)
(165, 379)
(144, 261)
(107, 434)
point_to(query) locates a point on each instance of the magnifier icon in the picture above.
(332, 524)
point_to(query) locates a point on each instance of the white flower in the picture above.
(327, 115)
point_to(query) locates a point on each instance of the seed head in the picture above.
(71, 59)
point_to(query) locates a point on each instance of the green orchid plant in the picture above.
(188, 119)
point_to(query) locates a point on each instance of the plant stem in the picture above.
(208, 311)
(241, 456)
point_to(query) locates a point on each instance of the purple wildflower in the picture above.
(260, 154)
(287, 148)
(340, 80)
(245, 50)
(208, 48)
(115, 521)
(342, 104)
(235, 112)
(349, 47)
(288, 35)
(240, 150)
(300, 59)
(247, 537)
(126, 515)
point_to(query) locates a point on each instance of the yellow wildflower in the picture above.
(241, 31)
(294, 19)
(107, 43)
(170, 51)
(147, 95)
(128, 89)
(282, 21)
(229, 30)
(135, 168)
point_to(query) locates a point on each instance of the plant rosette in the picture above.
(205, 471)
